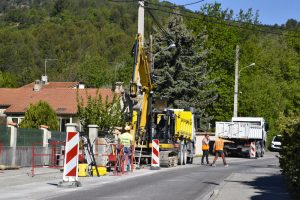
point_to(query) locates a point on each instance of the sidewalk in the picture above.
(256, 184)
(20, 185)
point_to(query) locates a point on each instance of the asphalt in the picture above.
(259, 183)
(253, 182)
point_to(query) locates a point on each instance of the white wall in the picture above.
(199, 138)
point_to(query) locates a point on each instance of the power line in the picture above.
(211, 19)
(234, 21)
(170, 39)
(188, 4)
(231, 24)
(123, 1)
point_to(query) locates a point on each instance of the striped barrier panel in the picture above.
(155, 154)
(71, 157)
(252, 150)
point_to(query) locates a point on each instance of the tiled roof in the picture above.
(54, 85)
(62, 100)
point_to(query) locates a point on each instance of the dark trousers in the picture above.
(205, 154)
(221, 154)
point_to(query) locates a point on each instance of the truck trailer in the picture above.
(242, 131)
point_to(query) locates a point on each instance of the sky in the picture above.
(270, 11)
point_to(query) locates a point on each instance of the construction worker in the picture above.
(205, 149)
(218, 149)
(125, 139)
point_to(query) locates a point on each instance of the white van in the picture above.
(276, 143)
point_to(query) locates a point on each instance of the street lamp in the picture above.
(46, 60)
(252, 64)
(236, 89)
(171, 46)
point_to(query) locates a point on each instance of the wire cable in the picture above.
(168, 36)
(231, 23)
(234, 21)
(211, 19)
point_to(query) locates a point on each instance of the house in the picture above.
(61, 96)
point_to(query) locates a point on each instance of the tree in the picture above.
(107, 115)
(289, 159)
(7, 80)
(38, 114)
(183, 73)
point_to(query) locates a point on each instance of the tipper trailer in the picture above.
(242, 131)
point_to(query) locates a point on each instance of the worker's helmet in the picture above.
(127, 128)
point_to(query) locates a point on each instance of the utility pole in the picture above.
(236, 82)
(151, 54)
(46, 60)
(141, 14)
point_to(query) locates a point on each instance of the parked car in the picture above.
(276, 143)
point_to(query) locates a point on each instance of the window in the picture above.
(15, 120)
(63, 123)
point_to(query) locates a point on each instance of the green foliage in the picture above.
(107, 115)
(183, 72)
(270, 87)
(38, 114)
(289, 155)
(7, 80)
(92, 41)
(77, 33)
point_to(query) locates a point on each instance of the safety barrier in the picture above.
(155, 154)
(113, 156)
(252, 150)
(55, 155)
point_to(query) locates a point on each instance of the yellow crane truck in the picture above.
(173, 127)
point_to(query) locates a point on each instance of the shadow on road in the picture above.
(272, 187)
(212, 183)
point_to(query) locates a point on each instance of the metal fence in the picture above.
(5, 135)
(58, 136)
(28, 136)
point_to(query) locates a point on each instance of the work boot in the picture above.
(226, 165)
(213, 165)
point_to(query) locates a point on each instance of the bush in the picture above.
(38, 114)
(289, 156)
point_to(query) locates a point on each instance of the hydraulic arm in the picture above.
(141, 86)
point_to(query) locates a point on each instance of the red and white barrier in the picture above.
(155, 154)
(71, 157)
(252, 150)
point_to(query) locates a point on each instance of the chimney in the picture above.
(44, 80)
(37, 86)
(119, 87)
(81, 85)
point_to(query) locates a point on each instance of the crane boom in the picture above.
(141, 84)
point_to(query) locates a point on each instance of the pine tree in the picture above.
(183, 72)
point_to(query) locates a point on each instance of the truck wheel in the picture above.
(190, 160)
(262, 152)
(184, 157)
(180, 157)
(225, 153)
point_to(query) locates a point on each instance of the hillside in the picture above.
(91, 41)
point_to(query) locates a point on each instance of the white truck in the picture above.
(242, 131)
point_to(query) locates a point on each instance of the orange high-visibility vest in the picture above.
(204, 145)
(219, 144)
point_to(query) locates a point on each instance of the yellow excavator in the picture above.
(173, 127)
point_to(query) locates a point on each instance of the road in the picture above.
(189, 182)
